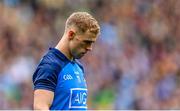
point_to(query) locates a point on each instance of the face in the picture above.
(81, 44)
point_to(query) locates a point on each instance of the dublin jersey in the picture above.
(65, 78)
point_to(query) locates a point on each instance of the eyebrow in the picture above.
(89, 41)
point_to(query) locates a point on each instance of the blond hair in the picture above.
(84, 22)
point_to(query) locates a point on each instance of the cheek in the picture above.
(80, 49)
(79, 46)
(74, 44)
(76, 47)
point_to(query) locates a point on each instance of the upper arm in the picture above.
(45, 81)
(42, 99)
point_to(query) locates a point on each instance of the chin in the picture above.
(79, 56)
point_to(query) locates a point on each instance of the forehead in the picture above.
(88, 36)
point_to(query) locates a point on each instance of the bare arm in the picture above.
(42, 99)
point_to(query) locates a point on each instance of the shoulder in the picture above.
(53, 60)
(46, 73)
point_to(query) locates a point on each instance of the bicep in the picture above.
(43, 99)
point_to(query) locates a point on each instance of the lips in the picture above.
(83, 53)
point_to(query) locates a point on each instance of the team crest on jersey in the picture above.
(78, 98)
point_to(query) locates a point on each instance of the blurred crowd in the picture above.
(135, 63)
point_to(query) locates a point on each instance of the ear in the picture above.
(71, 34)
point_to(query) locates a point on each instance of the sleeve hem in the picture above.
(42, 87)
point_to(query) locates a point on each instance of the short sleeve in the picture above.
(45, 77)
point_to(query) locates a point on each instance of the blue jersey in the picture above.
(65, 78)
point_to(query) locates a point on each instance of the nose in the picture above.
(89, 48)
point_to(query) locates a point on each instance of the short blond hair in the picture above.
(84, 22)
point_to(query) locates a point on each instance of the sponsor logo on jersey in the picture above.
(78, 98)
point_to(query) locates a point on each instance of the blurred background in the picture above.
(135, 63)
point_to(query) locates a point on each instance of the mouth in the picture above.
(83, 53)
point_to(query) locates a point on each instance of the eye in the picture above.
(88, 42)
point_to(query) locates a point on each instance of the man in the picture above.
(59, 82)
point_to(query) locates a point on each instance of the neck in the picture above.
(63, 47)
